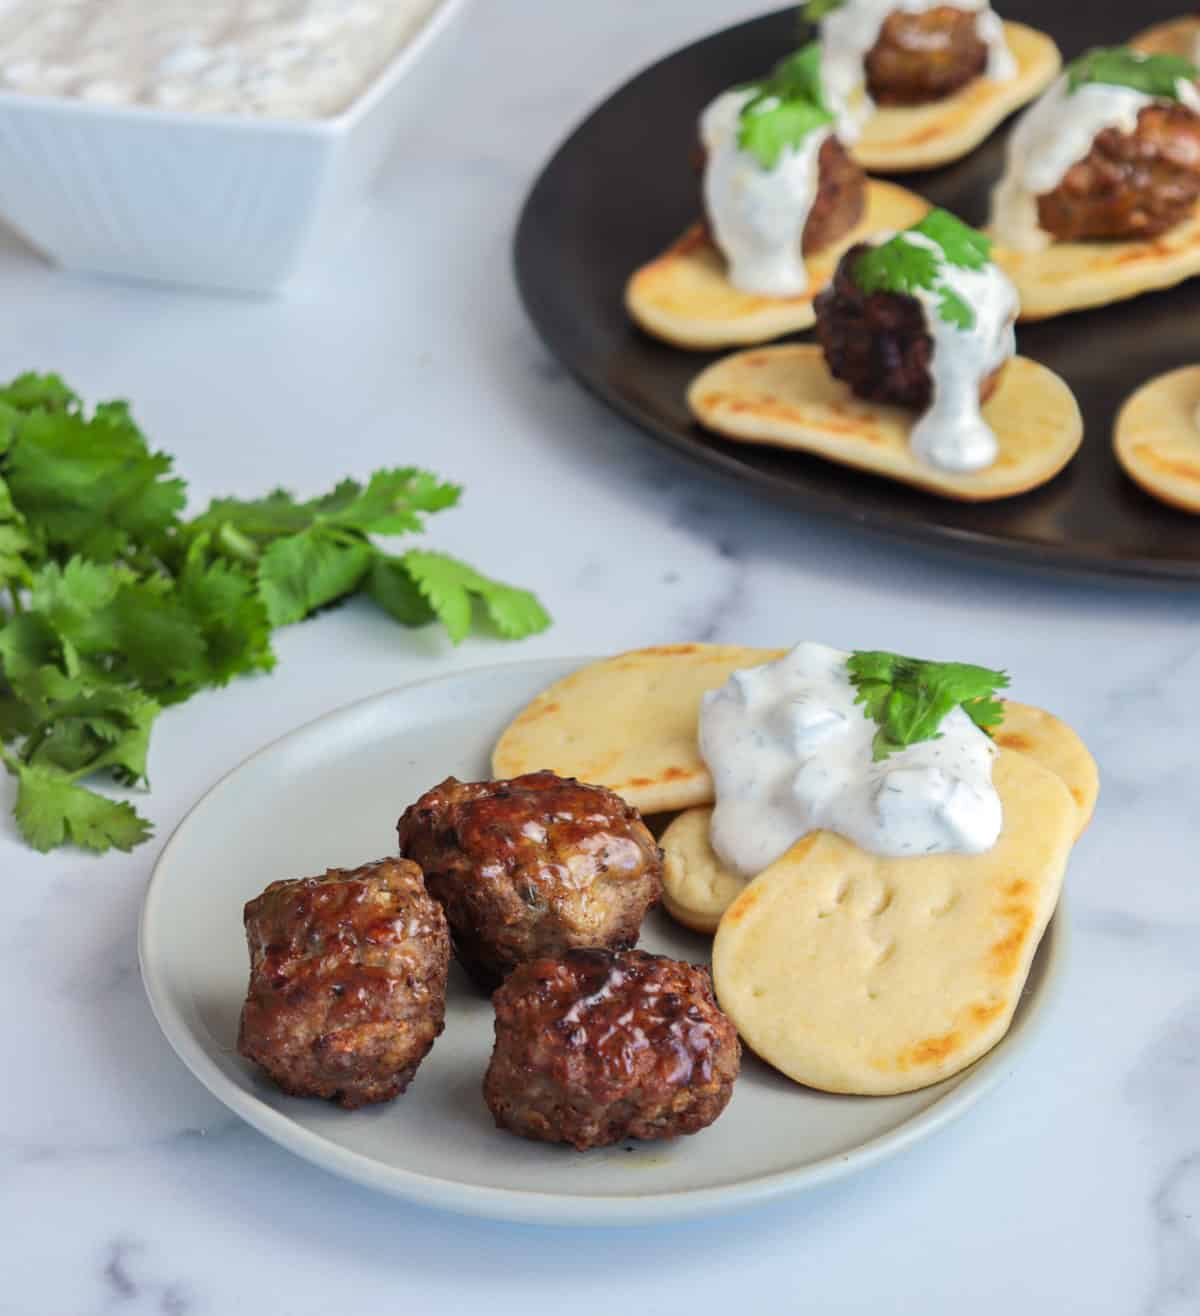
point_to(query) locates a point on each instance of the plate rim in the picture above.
(527, 1206)
(1062, 560)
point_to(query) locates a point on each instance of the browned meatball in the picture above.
(532, 866)
(878, 342)
(347, 981)
(1129, 185)
(841, 198)
(596, 1046)
(925, 56)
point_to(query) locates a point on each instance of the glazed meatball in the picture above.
(347, 981)
(532, 866)
(925, 56)
(596, 1046)
(1129, 185)
(878, 342)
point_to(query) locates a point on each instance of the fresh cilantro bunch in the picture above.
(1153, 75)
(904, 266)
(784, 108)
(116, 607)
(909, 697)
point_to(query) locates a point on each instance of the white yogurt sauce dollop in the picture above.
(848, 34)
(757, 215)
(790, 752)
(953, 434)
(274, 58)
(1052, 135)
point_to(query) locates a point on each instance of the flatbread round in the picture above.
(1073, 276)
(684, 297)
(698, 888)
(1157, 438)
(628, 723)
(854, 973)
(785, 396)
(1050, 742)
(1177, 36)
(897, 139)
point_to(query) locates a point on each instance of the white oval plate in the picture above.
(329, 795)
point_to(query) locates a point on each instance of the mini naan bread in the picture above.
(698, 888)
(628, 723)
(853, 973)
(1072, 276)
(900, 138)
(1157, 438)
(684, 297)
(1050, 742)
(1177, 36)
(785, 396)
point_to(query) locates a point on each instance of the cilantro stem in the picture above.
(236, 544)
(15, 595)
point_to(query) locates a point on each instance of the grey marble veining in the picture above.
(124, 1187)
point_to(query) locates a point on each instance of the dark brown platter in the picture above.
(623, 186)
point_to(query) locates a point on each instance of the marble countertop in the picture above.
(124, 1187)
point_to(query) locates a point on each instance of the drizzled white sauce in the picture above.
(790, 752)
(848, 34)
(953, 434)
(1056, 132)
(276, 58)
(758, 215)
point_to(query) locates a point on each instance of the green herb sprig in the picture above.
(117, 607)
(1120, 66)
(815, 10)
(903, 266)
(908, 697)
(784, 108)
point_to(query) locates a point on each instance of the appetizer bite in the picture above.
(1157, 438)
(919, 330)
(782, 201)
(596, 1046)
(347, 982)
(532, 866)
(1098, 198)
(919, 83)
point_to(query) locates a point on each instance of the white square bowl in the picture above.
(209, 200)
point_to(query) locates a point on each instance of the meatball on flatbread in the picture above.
(1098, 201)
(921, 85)
(915, 378)
(781, 199)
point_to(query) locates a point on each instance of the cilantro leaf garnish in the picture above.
(784, 108)
(961, 244)
(1120, 66)
(901, 265)
(117, 607)
(815, 10)
(909, 697)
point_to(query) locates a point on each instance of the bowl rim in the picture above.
(340, 124)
